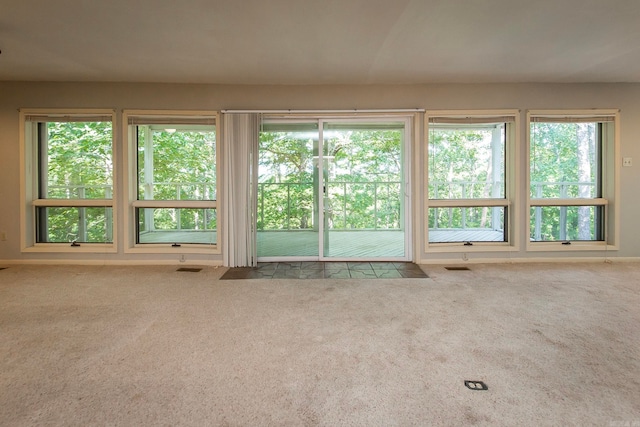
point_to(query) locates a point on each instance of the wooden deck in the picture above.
(362, 244)
(469, 235)
(342, 244)
(194, 236)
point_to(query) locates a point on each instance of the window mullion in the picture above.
(178, 204)
(72, 203)
(568, 202)
(468, 203)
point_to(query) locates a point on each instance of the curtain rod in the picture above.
(405, 110)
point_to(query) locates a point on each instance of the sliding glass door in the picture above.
(287, 217)
(364, 190)
(333, 190)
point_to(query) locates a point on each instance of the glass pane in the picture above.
(176, 162)
(560, 223)
(82, 225)
(171, 225)
(287, 221)
(79, 161)
(466, 161)
(364, 213)
(564, 160)
(477, 224)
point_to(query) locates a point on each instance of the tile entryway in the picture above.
(326, 270)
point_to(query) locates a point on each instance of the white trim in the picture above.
(541, 260)
(568, 202)
(83, 247)
(167, 248)
(114, 262)
(8, 263)
(72, 203)
(468, 203)
(460, 247)
(577, 113)
(324, 112)
(575, 246)
(177, 204)
(462, 114)
(168, 114)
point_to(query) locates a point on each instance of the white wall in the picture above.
(15, 95)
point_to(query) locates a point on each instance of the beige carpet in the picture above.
(135, 346)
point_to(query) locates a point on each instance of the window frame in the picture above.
(511, 176)
(609, 181)
(131, 185)
(30, 185)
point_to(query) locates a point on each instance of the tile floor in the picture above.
(326, 270)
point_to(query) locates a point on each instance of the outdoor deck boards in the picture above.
(341, 244)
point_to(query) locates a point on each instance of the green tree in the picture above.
(79, 166)
(563, 165)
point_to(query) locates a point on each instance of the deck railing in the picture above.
(475, 189)
(290, 200)
(84, 192)
(295, 210)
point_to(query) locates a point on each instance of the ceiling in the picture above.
(320, 41)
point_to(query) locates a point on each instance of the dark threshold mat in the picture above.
(327, 270)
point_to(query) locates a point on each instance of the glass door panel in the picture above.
(288, 190)
(363, 203)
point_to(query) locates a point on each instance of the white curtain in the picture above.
(240, 171)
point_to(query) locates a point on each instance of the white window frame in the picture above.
(131, 186)
(610, 183)
(29, 173)
(511, 185)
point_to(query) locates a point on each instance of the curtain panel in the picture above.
(240, 183)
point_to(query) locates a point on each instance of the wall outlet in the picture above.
(627, 162)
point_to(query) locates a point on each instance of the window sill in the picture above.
(99, 248)
(165, 248)
(573, 247)
(459, 247)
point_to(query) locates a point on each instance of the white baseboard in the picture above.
(458, 261)
(208, 263)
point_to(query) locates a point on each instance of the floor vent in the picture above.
(454, 268)
(3, 268)
(475, 385)
(189, 270)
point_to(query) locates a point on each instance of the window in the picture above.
(571, 176)
(469, 177)
(173, 167)
(68, 191)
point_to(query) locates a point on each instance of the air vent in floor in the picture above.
(456, 268)
(475, 385)
(189, 270)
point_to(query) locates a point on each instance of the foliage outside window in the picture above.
(467, 178)
(363, 181)
(288, 153)
(364, 177)
(71, 188)
(567, 177)
(176, 178)
(338, 183)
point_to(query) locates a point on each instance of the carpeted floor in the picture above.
(135, 346)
